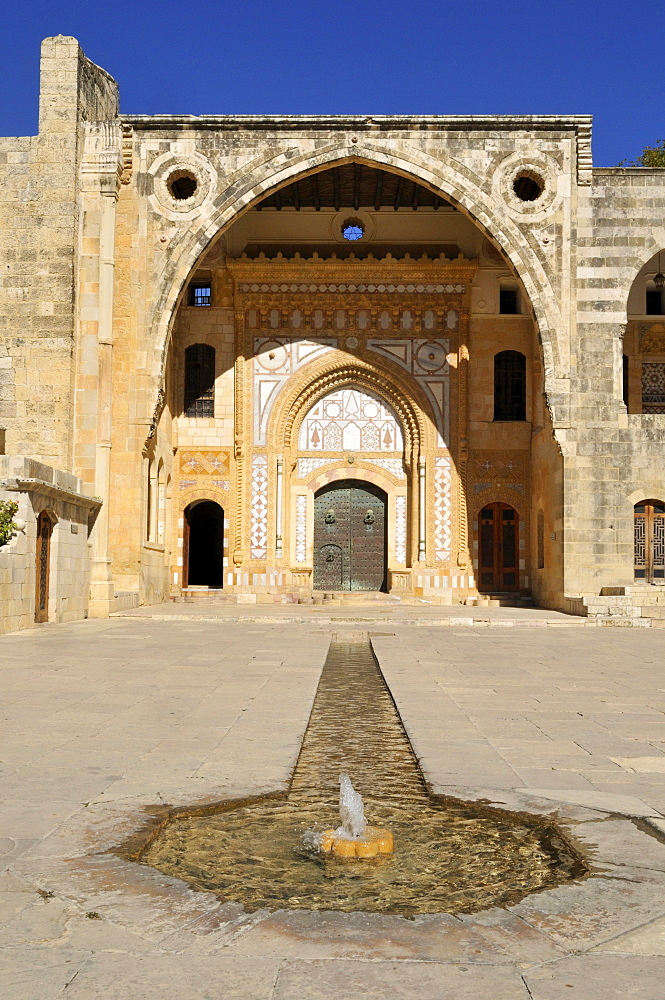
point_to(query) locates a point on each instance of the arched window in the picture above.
(200, 381)
(509, 386)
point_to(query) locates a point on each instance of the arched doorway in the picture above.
(499, 548)
(350, 537)
(204, 545)
(43, 565)
(650, 541)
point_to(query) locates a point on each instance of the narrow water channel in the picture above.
(448, 858)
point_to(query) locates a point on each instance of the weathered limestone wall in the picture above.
(39, 223)
(611, 459)
(37, 487)
(96, 254)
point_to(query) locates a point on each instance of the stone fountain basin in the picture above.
(625, 891)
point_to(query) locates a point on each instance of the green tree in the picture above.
(7, 527)
(651, 156)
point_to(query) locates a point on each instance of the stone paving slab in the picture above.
(423, 614)
(108, 721)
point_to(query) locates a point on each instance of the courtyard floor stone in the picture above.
(105, 721)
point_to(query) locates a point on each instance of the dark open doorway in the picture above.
(204, 545)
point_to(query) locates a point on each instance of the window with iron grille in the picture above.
(200, 295)
(200, 381)
(509, 386)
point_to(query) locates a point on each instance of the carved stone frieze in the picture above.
(508, 468)
(652, 338)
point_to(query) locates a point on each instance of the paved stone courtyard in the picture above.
(104, 718)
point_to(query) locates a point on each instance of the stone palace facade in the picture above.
(274, 356)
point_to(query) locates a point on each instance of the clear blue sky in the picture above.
(359, 56)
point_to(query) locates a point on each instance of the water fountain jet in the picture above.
(354, 838)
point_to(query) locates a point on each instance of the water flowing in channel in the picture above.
(447, 858)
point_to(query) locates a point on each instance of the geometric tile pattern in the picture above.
(308, 465)
(392, 465)
(301, 529)
(653, 387)
(259, 522)
(442, 509)
(275, 358)
(350, 420)
(204, 462)
(427, 361)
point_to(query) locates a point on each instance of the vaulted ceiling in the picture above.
(353, 185)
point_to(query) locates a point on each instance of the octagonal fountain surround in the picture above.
(414, 854)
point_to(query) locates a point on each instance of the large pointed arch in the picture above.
(450, 179)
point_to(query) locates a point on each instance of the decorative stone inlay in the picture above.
(306, 466)
(427, 361)
(392, 465)
(301, 529)
(400, 529)
(499, 467)
(442, 509)
(351, 420)
(204, 462)
(259, 522)
(275, 358)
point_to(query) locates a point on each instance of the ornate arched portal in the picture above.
(449, 180)
(348, 362)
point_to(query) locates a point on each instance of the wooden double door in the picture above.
(650, 541)
(498, 530)
(350, 537)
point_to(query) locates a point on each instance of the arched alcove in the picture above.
(643, 376)
(300, 317)
(447, 182)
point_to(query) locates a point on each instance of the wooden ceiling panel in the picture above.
(353, 186)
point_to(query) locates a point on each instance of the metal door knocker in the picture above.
(330, 557)
(369, 516)
(329, 516)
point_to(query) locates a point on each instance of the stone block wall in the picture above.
(575, 251)
(39, 224)
(37, 487)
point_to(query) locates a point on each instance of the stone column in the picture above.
(279, 492)
(422, 510)
(101, 169)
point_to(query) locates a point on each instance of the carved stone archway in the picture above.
(451, 180)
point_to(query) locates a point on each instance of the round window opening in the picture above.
(353, 229)
(182, 184)
(528, 185)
